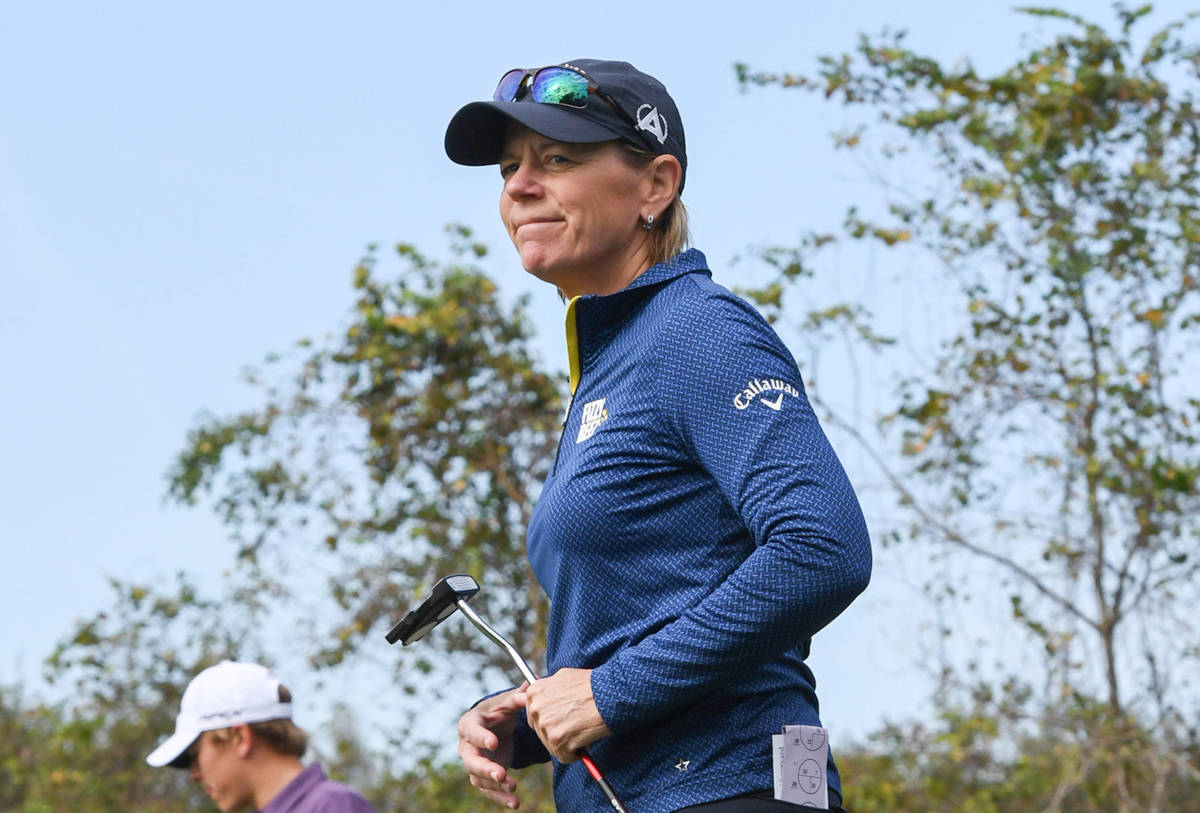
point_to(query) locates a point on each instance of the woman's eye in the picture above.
(506, 170)
(557, 159)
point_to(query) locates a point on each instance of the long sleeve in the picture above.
(737, 405)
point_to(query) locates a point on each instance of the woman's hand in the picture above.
(563, 712)
(485, 744)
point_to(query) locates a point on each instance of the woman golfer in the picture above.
(696, 529)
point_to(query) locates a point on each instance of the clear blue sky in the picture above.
(186, 187)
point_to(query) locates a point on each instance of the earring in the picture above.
(648, 222)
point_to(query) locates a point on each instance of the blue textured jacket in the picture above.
(695, 531)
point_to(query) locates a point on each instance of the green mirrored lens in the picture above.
(559, 86)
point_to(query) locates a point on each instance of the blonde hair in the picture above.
(670, 234)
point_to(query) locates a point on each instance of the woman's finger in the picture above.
(500, 796)
(485, 745)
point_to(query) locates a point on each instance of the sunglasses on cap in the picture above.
(560, 85)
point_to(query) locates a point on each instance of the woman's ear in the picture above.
(665, 173)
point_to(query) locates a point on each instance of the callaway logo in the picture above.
(594, 414)
(769, 392)
(649, 120)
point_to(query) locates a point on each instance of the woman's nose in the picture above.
(523, 182)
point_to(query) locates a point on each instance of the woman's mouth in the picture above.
(536, 223)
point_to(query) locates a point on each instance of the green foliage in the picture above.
(52, 759)
(409, 445)
(121, 674)
(1000, 753)
(1054, 437)
(1065, 220)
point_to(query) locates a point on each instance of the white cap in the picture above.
(220, 696)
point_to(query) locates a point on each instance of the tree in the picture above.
(990, 754)
(53, 758)
(1054, 437)
(412, 446)
(121, 675)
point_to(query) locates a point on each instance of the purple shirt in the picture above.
(311, 792)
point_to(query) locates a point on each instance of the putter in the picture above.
(450, 594)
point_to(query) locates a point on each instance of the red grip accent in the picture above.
(591, 767)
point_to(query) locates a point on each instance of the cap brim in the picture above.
(476, 134)
(171, 751)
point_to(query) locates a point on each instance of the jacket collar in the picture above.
(683, 263)
(595, 309)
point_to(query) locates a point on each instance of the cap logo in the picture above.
(648, 119)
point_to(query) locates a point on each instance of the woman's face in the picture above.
(573, 212)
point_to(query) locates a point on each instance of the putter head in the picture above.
(434, 610)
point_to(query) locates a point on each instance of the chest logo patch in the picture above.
(767, 391)
(594, 414)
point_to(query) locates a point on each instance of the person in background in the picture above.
(696, 528)
(235, 735)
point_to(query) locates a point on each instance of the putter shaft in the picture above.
(497, 639)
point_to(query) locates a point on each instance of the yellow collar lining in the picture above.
(572, 344)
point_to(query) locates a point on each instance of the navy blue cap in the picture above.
(476, 134)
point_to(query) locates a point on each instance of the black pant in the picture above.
(762, 801)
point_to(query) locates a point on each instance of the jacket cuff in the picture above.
(614, 697)
(527, 748)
